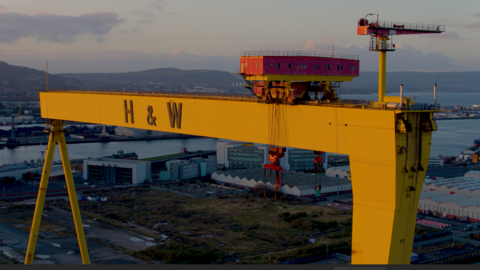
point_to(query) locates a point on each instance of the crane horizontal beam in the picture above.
(389, 150)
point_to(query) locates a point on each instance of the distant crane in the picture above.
(12, 140)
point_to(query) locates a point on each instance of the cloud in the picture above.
(55, 28)
(131, 31)
(473, 26)
(405, 58)
(143, 13)
(476, 14)
(444, 35)
(157, 4)
(145, 21)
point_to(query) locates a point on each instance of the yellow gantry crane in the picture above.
(388, 146)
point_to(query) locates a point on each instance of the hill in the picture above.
(173, 76)
(14, 80)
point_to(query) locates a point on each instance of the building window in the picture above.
(290, 65)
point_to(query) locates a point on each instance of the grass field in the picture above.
(226, 228)
(237, 228)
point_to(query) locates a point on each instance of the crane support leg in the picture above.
(382, 71)
(385, 196)
(56, 134)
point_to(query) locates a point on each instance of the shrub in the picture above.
(178, 253)
(289, 218)
(302, 224)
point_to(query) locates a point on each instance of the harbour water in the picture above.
(452, 137)
(444, 99)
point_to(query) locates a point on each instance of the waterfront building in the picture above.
(189, 169)
(242, 155)
(122, 155)
(119, 171)
(34, 173)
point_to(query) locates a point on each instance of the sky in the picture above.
(123, 35)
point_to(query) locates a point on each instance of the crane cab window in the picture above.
(290, 65)
(256, 64)
(352, 68)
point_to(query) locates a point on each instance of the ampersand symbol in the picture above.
(150, 118)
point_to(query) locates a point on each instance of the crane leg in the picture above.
(385, 210)
(42, 191)
(56, 134)
(72, 195)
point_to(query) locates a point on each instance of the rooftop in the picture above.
(299, 179)
(127, 161)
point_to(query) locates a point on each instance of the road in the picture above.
(51, 249)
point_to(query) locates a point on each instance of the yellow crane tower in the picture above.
(388, 142)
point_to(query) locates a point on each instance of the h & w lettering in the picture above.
(174, 114)
(127, 111)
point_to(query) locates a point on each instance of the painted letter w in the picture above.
(174, 114)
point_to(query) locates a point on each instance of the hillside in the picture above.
(14, 80)
(173, 76)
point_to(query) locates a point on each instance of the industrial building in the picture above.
(193, 168)
(121, 171)
(242, 155)
(294, 183)
(467, 186)
(25, 173)
(457, 198)
(122, 155)
(453, 206)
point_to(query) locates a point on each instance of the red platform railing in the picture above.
(299, 53)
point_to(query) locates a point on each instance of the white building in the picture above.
(121, 171)
(293, 183)
(339, 172)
